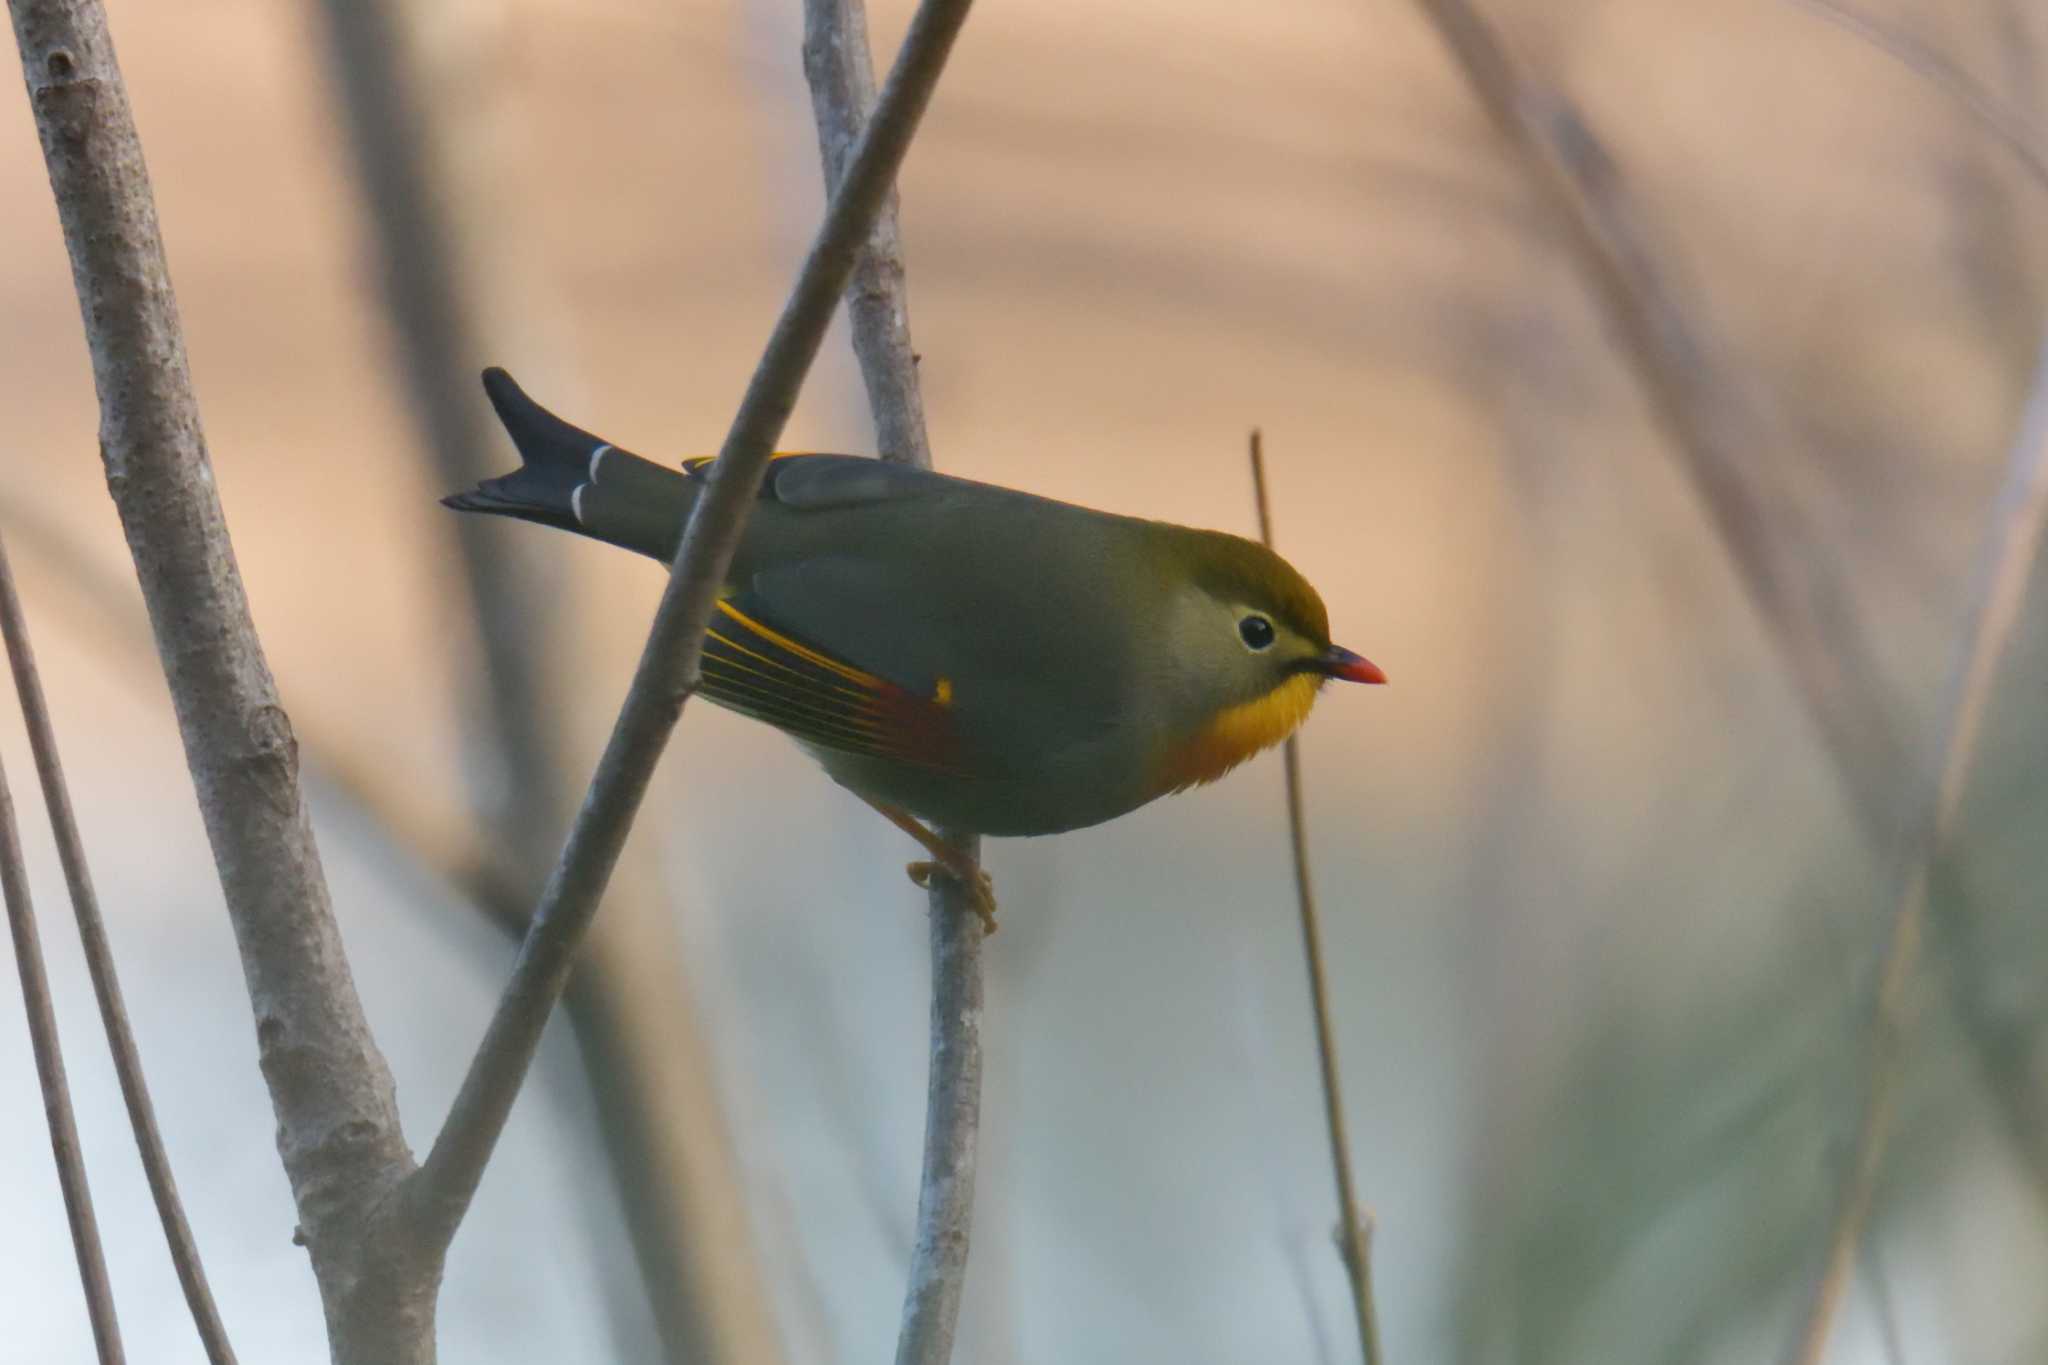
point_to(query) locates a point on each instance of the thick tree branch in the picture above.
(667, 672)
(106, 984)
(338, 1128)
(841, 76)
(1354, 1232)
(2011, 544)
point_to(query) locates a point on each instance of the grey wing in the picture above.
(1022, 679)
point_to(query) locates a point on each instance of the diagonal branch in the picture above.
(1945, 75)
(636, 1027)
(106, 984)
(1730, 447)
(667, 672)
(842, 81)
(338, 1128)
(1736, 458)
(2011, 544)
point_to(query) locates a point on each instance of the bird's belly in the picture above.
(1047, 798)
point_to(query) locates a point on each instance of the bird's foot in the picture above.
(980, 887)
(947, 861)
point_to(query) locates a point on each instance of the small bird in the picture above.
(954, 652)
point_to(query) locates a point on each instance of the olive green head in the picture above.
(1249, 643)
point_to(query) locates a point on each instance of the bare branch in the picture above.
(338, 1128)
(842, 79)
(1730, 447)
(840, 72)
(952, 1132)
(637, 1030)
(2007, 125)
(106, 984)
(2011, 543)
(1736, 459)
(667, 672)
(1354, 1232)
(49, 1057)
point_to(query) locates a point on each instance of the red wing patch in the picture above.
(752, 668)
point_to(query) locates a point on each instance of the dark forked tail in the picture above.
(577, 481)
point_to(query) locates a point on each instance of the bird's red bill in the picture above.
(1339, 662)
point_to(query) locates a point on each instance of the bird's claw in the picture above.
(981, 888)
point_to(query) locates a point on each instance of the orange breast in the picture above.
(1238, 733)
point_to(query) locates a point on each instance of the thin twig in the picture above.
(106, 984)
(1354, 1230)
(337, 1114)
(1888, 1334)
(1732, 447)
(842, 81)
(1944, 74)
(49, 1056)
(667, 673)
(1999, 583)
(1735, 458)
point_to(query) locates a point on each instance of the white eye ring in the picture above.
(1257, 632)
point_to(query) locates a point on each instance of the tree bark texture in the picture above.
(338, 1129)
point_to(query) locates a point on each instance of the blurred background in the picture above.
(1603, 890)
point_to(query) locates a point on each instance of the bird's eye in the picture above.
(1256, 632)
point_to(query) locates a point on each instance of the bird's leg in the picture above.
(981, 891)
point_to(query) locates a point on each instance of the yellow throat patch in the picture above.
(1239, 732)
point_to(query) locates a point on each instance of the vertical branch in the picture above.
(841, 77)
(42, 1034)
(1354, 1231)
(952, 1132)
(106, 985)
(667, 673)
(337, 1115)
(2011, 544)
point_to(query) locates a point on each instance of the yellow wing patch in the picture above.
(698, 464)
(759, 671)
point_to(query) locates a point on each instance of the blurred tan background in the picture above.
(1600, 921)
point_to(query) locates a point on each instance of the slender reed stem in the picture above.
(2011, 544)
(1354, 1230)
(106, 985)
(42, 1033)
